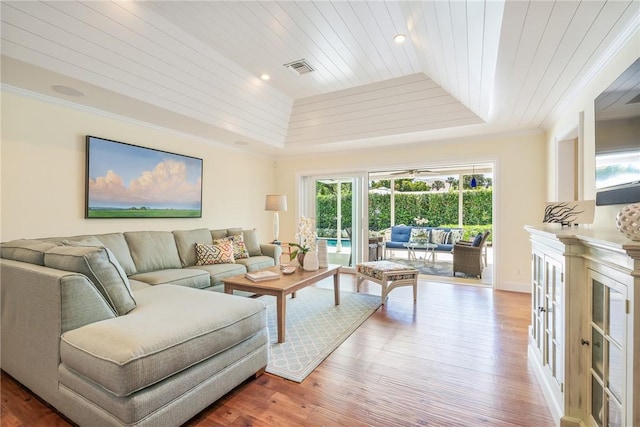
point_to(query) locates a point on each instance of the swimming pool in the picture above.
(346, 243)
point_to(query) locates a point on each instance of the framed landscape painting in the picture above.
(129, 181)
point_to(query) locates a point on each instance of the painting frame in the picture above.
(123, 180)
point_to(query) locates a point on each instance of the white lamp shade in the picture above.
(276, 203)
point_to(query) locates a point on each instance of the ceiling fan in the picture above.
(414, 172)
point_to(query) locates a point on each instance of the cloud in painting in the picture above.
(165, 186)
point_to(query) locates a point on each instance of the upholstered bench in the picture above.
(389, 275)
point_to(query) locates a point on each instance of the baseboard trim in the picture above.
(514, 287)
(554, 407)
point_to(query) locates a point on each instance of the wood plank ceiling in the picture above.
(466, 68)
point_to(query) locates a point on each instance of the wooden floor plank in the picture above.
(458, 357)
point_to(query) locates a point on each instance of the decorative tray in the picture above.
(288, 270)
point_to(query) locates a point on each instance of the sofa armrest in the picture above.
(38, 304)
(271, 250)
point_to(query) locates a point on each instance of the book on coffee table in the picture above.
(259, 276)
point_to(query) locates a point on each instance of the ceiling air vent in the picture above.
(299, 67)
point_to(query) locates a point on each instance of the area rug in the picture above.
(315, 326)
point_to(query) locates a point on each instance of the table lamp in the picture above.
(276, 203)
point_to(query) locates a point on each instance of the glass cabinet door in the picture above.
(608, 339)
(537, 301)
(553, 349)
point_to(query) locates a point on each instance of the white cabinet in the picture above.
(584, 338)
(611, 361)
(547, 320)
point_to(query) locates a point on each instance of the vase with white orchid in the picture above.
(306, 238)
(420, 221)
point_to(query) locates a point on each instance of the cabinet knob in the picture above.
(584, 342)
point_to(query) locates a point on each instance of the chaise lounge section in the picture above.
(122, 329)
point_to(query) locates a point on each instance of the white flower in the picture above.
(420, 221)
(306, 236)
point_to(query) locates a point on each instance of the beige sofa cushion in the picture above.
(217, 272)
(252, 242)
(101, 267)
(153, 250)
(171, 329)
(255, 263)
(219, 234)
(186, 243)
(188, 277)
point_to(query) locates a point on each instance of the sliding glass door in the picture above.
(338, 204)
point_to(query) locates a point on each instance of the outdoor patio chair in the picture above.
(468, 256)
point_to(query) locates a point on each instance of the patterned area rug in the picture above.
(315, 327)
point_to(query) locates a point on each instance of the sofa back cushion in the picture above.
(118, 245)
(252, 242)
(400, 233)
(153, 250)
(26, 250)
(101, 267)
(219, 234)
(186, 244)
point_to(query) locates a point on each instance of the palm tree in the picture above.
(437, 185)
(452, 181)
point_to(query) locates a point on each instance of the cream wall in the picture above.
(584, 104)
(43, 173)
(519, 191)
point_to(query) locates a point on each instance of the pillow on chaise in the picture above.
(101, 267)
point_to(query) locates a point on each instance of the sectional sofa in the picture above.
(127, 329)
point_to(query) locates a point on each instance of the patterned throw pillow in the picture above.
(239, 248)
(446, 238)
(437, 236)
(456, 235)
(220, 253)
(419, 235)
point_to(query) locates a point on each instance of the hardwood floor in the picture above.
(456, 358)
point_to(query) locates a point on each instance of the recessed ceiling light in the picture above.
(66, 90)
(399, 38)
(265, 77)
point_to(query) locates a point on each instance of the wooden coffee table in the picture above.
(285, 285)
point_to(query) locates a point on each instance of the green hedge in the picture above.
(439, 208)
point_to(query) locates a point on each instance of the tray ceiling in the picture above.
(466, 68)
